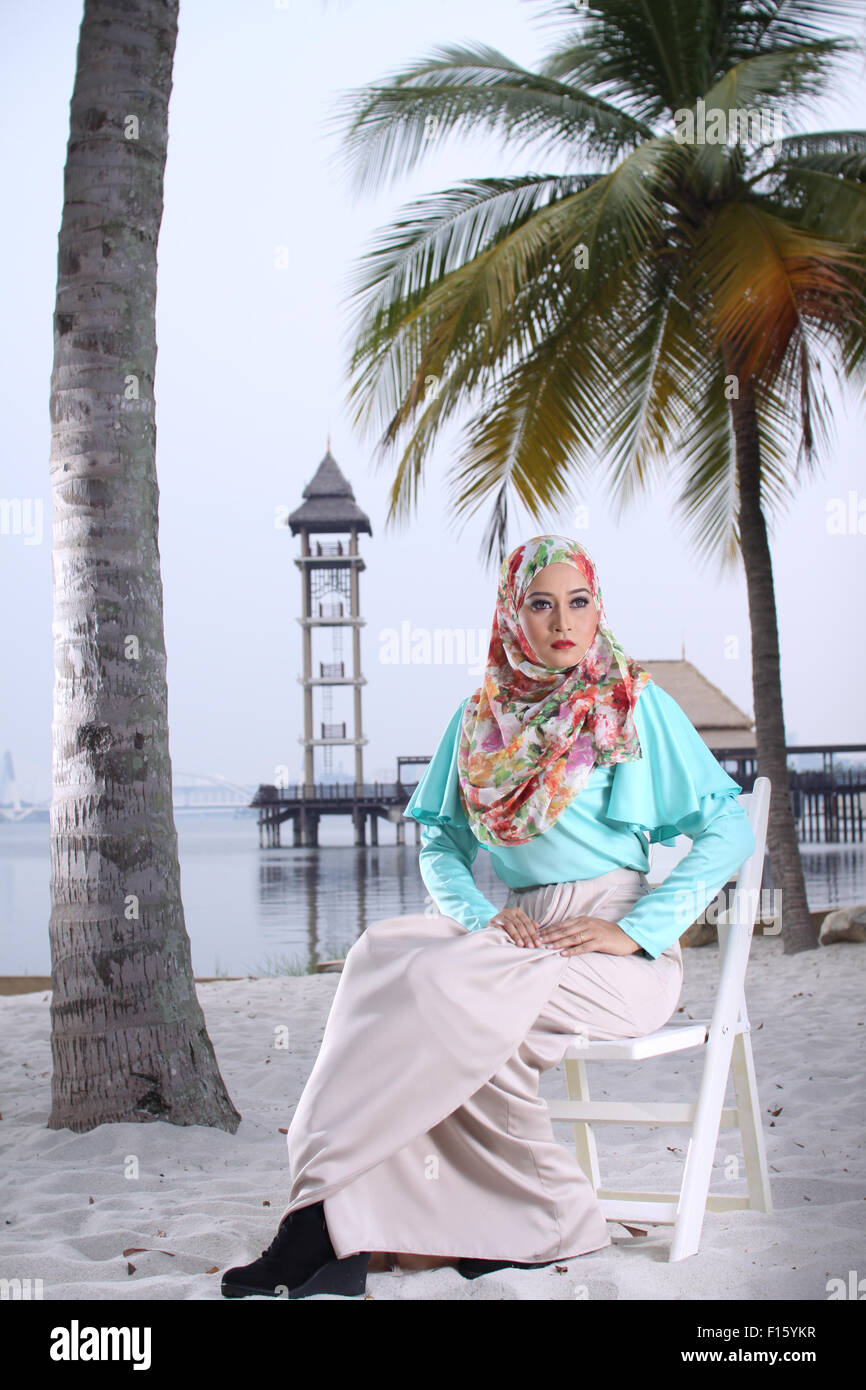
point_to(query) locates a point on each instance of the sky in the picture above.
(260, 235)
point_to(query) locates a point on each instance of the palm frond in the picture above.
(388, 127)
(494, 541)
(779, 75)
(820, 181)
(633, 54)
(799, 381)
(825, 203)
(742, 115)
(770, 23)
(765, 277)
(834, 151)
(708, 500)
(489, 311)
(653, 363)
(653, 57)
(533, 425)
(435, 234)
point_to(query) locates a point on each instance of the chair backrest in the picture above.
(744, 907)
(742, 912)
(737, 920)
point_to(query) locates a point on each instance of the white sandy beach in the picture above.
(212, 1199)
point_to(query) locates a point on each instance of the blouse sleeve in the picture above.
(448, 846)
(678, 787)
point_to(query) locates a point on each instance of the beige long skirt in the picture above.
(421, 1127)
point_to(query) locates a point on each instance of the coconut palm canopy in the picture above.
(617, 311)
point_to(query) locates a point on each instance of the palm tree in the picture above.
(668, 311)
(128, 1039)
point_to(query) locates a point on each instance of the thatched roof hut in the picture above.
(720, 723)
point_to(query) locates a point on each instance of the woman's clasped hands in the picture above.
(570, 937)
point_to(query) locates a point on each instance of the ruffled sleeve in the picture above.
(677, 787)
(436, 799)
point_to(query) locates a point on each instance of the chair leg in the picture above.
(584, 1139)
(702, 1144)
(750, 1126)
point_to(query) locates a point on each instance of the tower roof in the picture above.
(330, 503)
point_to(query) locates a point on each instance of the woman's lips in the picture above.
(562, 644)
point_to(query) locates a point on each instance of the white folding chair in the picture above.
(726, 1047)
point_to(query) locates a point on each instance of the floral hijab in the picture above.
(532, 734)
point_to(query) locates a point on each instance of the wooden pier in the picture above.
(304, 807)
(827, 802)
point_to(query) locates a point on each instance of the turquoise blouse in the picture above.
(675, 787)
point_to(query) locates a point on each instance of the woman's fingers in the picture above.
(516, 932)
(568, 929)
(501, 919)
(554, 934)
(521, 928)
(529, 928)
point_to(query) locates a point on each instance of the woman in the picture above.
(420, 1130)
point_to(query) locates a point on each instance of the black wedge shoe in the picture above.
(473, 1269)
(300, 1260)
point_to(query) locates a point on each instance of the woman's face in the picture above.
(558, 607)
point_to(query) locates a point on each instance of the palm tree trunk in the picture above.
(128, 1037)
(798, 933)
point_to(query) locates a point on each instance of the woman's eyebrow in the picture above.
(547, 594)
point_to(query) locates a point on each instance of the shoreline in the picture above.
(38, 984)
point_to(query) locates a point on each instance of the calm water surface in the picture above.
(250, 911)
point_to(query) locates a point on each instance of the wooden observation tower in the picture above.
(330, 605)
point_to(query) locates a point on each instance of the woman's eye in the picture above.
(542, 602)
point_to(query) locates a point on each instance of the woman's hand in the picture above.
(588, 934)
(522, 930)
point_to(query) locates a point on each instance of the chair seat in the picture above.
(673, 1037)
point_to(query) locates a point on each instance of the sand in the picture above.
(204, 1199)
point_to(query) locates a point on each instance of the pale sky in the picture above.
(251, 378)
